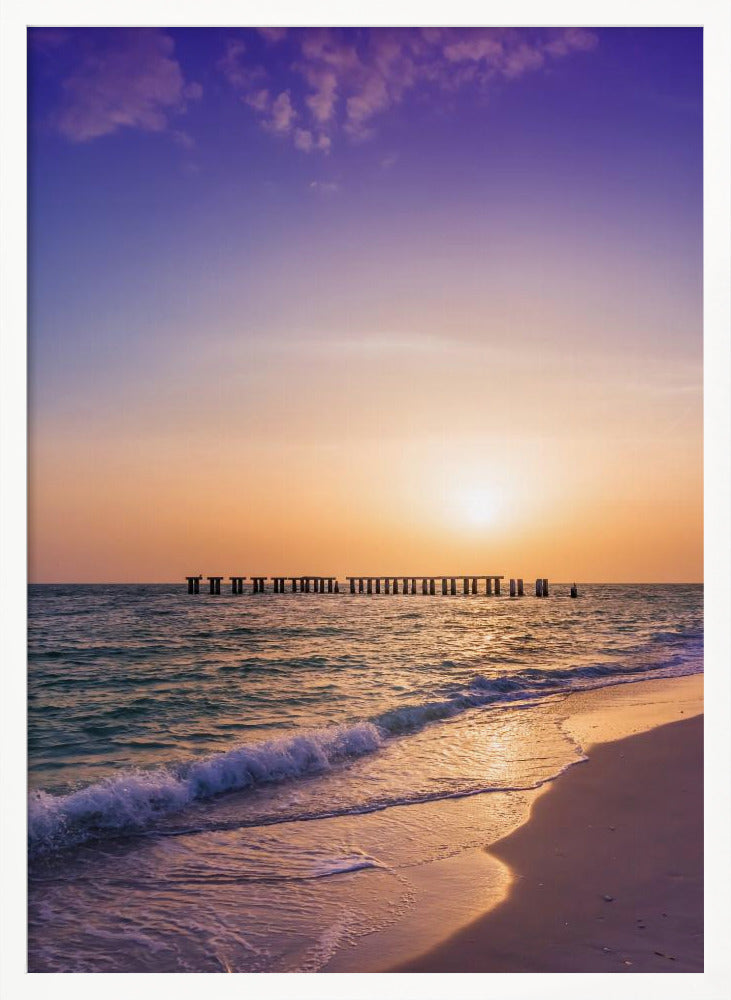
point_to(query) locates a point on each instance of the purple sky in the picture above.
(209, 206)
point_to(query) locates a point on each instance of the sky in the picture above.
(398, 301)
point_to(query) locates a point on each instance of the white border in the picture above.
(715, 17)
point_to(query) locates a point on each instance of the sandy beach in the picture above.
(607, 874)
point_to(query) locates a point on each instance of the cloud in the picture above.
(324, 187)
(571, 40)
(281, 113)
(183, 139)
(240, 74)
(121, 78)
(350, 77)
(306, 141)
(272, 34)
(322, 100)
(259, 100)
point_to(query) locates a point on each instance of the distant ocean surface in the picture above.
(243, 783)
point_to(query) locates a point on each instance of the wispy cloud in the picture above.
(324, 187)
(348, 78)
(121, 78)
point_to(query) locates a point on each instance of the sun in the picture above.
(477, 507)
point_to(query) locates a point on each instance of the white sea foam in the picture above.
(131, 800)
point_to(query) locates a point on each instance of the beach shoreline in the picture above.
(458, 893)
(607, 872)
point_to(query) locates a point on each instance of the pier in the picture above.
(427, 584)
(447, 584)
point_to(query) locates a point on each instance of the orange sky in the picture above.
(341, 460)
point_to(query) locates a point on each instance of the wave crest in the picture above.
(132, 799)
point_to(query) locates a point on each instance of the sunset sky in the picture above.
(378, 301)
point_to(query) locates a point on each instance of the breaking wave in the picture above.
(132, 800)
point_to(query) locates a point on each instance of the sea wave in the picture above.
(133, 800)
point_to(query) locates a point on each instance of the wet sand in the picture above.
(608, 871)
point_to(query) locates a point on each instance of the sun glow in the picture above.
(478, 508)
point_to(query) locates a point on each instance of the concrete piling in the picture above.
(539, 588)
(370, 584)
(545, 587)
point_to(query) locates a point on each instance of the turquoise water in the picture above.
(240, 782)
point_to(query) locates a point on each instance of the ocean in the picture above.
(258, 782)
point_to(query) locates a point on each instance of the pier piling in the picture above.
(367, 584)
